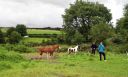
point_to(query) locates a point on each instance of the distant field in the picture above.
(4, 29)
(34, 40)
(37, 31)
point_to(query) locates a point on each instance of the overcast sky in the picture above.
(45, 13)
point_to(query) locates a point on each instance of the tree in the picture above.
(83, 15)
(101, 32)
(15, 37)
(10, 30)
(20, 28)
(1, 37)
(122, 25)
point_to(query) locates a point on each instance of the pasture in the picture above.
(38, 31)
(63, 65)
(34, 40)
(16, 64)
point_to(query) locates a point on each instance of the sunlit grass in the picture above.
(37, 31)
(34, 40)
(79, 65)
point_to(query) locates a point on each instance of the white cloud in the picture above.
(42, 13)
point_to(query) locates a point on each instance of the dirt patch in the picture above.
(36, 56)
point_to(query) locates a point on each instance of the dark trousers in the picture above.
(102, 53)
(93, 51)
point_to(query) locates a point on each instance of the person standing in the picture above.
(101, 49)
(93, 48)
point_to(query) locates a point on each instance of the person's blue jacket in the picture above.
(101, 48)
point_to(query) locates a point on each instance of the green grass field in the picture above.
(36, 31)
(34, 40)
(64, 65)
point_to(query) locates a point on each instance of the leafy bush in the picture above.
(11, 56)
(85, 47)
(43, 35)
(14, 38)
(19, 47)
(118, 48)
(9, 47)
(119, 39)
(101, 32)
(2, 40)
(5, 65)
(64, 49)
(23, 49)
(21, 29)
(9, 31)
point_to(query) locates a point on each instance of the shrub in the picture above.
(15, 37)
(23, 49)
(64, 49)
(118, 48)
(10, 56)
(9, 47)
(5, 65)
(2, 40)
(85, 47)
(9, 31)
(21, 29)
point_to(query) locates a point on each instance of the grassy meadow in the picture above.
(34, 40)
(16, 64)
(38, 31)
(64, 65)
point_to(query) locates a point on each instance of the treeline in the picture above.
(47, 28)
(44, 35)
(13, 35)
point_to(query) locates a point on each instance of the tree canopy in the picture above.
(20, 28)
(122, 25)
(1, 37)
(83, 15)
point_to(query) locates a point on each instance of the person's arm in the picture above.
(98, 47)
(103, 47)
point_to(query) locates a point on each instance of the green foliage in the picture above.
(9, 47)
(43, 35)
(122, 25)
(119, 39)
(63, 49)
(126, 10)
(23, 49)
(117, 49)
(10, 56)
(2, 40)
(20, 28)
(9, 31)
(15, 37)
(82, 15)
(65, 66)
(78, 38)
(42, 31)
(101, 32)
(5, 65)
